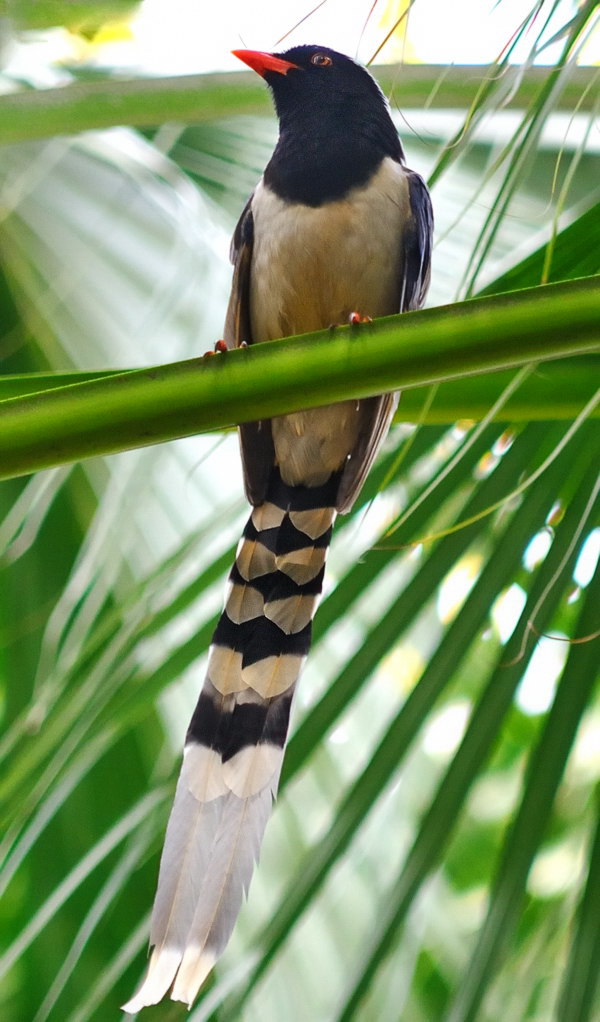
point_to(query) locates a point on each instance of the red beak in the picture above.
(263, 62)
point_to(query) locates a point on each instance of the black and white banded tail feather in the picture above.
(235, 742)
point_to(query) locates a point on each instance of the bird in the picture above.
(337, 229)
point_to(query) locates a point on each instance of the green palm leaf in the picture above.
(407, 870)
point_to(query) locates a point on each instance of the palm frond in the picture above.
(438, 770)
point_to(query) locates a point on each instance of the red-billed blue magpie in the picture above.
(337, 227)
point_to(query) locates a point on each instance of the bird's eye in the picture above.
(321, 60)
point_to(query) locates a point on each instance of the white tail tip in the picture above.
(161, 973)
(191, 974)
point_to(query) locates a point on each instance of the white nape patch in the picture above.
(267, 516)
(224, 670)
(273, 675)
(243, 603)
(302, 565)
(202, 771)
(291, 614)
(195, 967)
(313, 523)
(253, 559)
(252, 768)
(164, 963)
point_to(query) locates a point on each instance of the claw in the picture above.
(219, 349)
(354, 319)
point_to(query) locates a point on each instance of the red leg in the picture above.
(219, 349)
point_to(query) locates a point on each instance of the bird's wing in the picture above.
(417, 245)
(237, 320)
(378, 412)
(256, 442)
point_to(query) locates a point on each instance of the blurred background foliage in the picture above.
(434, 852)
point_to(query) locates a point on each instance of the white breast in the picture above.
(312, 267)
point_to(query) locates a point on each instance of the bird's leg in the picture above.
(354, 319)
(219, 349)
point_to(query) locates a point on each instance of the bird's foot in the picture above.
(354, 319)
(219, 349)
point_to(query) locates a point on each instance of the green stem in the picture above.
(557, 390)
(149, 406)
(83, 106)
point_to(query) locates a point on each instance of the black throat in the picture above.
(322, 154)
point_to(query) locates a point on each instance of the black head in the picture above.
(334, 122)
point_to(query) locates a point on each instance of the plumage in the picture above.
(337, 225)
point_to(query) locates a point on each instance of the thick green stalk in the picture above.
(149, 406)
(82, 106)
(557, 390)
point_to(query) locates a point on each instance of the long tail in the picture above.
(236, 738)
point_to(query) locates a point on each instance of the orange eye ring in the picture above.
(321, 60)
